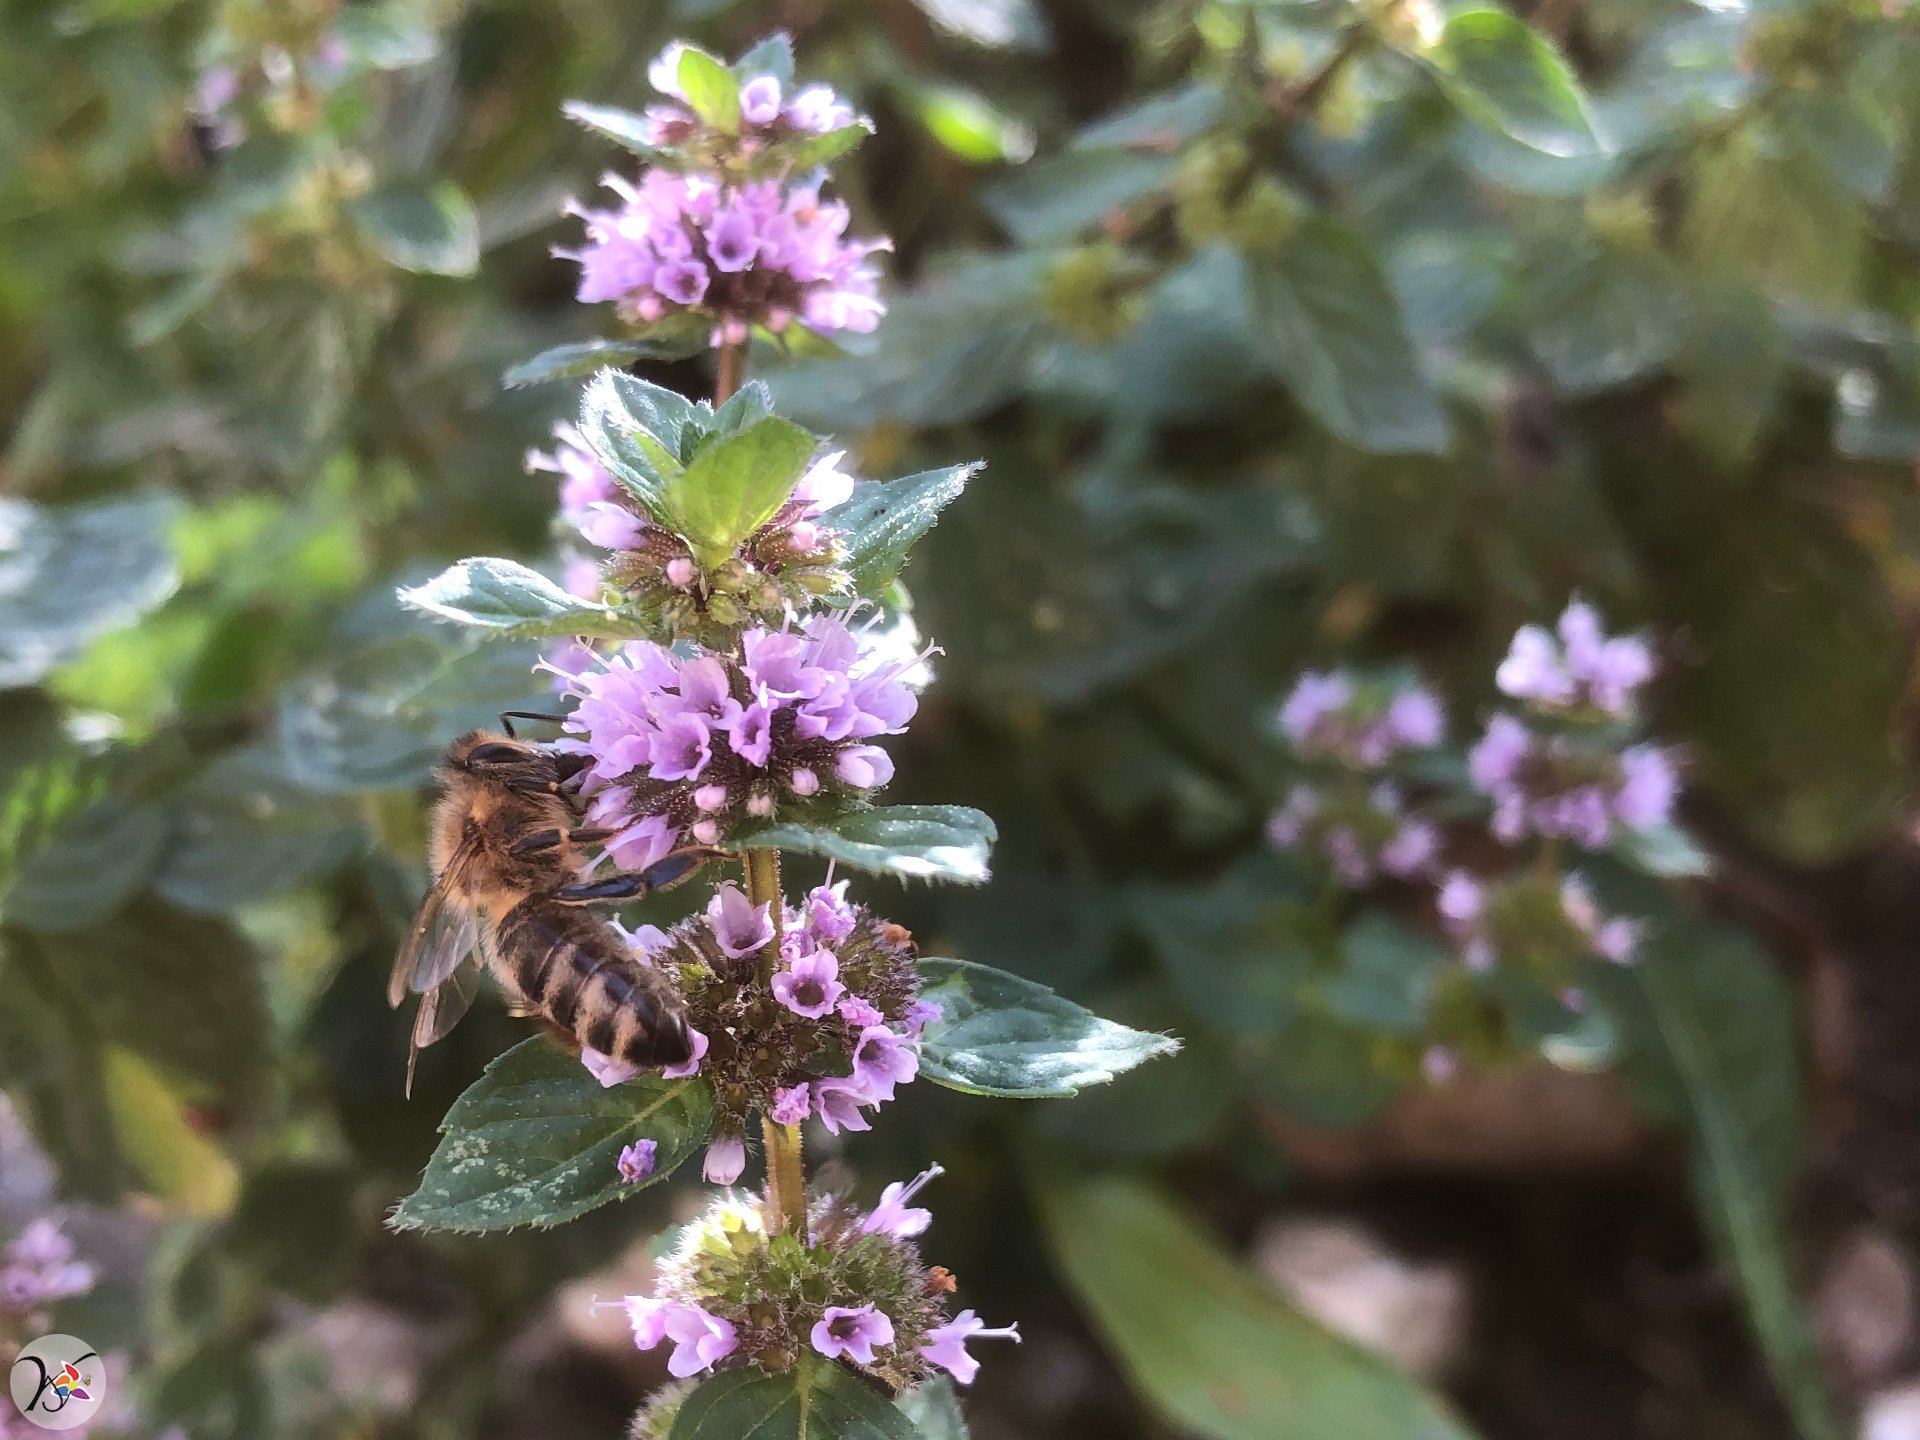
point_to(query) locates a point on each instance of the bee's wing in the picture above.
(431, 962)
(442, 1006)
(440, 937)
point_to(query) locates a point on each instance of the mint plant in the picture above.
(739, 642)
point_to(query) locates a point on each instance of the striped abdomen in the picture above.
(573, 968)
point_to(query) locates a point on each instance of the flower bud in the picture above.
(680, 572)
(710, 798)
(804, 782)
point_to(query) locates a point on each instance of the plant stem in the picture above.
(786, 1208)
(786, 1205)
(729, 369)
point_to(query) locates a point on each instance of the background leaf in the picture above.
(1331, 329)
(428, 228)
(1212, 1349)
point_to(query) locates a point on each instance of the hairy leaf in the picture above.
(882, 521)
(505, 598)
(922, 842)
(734, 486)
(711, 89)
(537, 1140)
(999, 1034)
(641, 432)
(814, 1401)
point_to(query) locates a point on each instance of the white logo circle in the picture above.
(57, 1382)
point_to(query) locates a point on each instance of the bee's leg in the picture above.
(507, 717)
(536, 841)
(591, 834)
(615, 887)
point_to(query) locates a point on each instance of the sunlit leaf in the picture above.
(999, 1034)
(919, 842)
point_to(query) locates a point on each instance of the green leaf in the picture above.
(619, 412)
(922, 842)
(1719, 1019)
(429, 229)
(734, 486)
(243, 832)
(52, 604)
(772, 55)
(1332, 331)
(1057, 196)
(934, 1409)
(574, 362)
(181, 991)
(710, 89)
(1387, 972)
(396, 687)
(816, 1400)
(1212, 1349)
(1510, 79)
(999, 1034)
(507, 599)
(90, 866)
(810, 152)
(623, 126)
(882, 520)
(537, 1140)
(1601, 315)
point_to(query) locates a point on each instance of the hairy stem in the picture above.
(786, 1209)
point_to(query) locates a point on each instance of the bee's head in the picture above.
(482, 753)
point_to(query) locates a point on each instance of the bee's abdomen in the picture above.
(574, 968)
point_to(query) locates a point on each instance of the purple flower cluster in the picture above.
(762, 253)
(1330, 715)
(694, 748)
(1583, 668)
(1364, 836)
(1523, 918)
(1567, 786)
(726, 1294)
(838, 1039)
(38, 1268)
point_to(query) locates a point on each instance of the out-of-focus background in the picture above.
(1297, 334)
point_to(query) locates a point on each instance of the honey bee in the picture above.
(508, 855)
